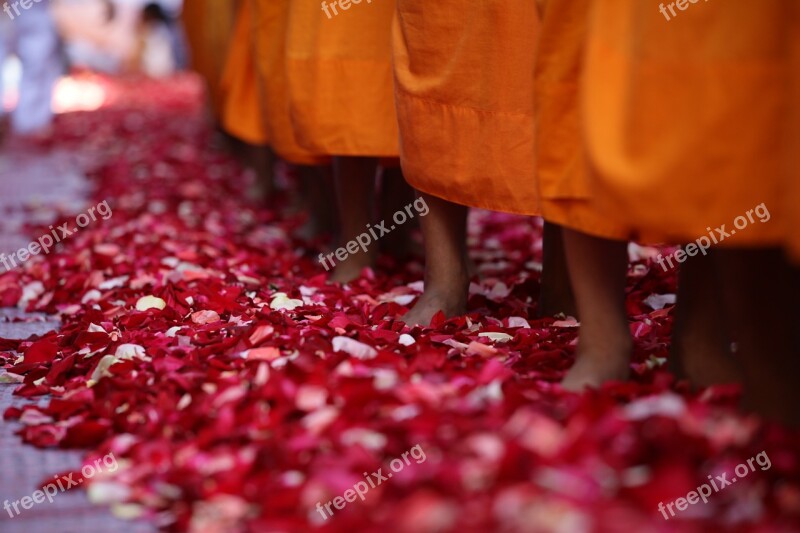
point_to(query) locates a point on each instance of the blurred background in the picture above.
(61, 38)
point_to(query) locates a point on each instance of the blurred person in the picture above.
(170, 13)
(158, 55)
(151, 35)
(270, 27)
(341, 102)
(33, 38)
(208, 25)
(241, 112)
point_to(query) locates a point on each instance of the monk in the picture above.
(339, 77)
(208, 25)
(465, 100)
(241, 113)
(684, 133)
(596, 246)
(270, 26)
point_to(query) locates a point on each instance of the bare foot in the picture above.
(452, 302)
(702, 365)
(592, 371)
(446, 272)
(310, 230)
(259, 191)
(701, 344)
(350, 269)
(595, 369)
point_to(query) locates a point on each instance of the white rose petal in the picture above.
(385, 379)
(30, 292)
(371, 440)
(150, 302)
(281, 301)
(357, 349)
(106, 492)
(669, 405)
(101, 370)
(130, 351)
(171, 332)
(113, 283)
(518, 322)
(91, 296)
(659, 301)
(406, 339)
(495, 336)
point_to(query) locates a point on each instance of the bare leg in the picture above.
(261, 160)
(598, 269)
(760, 291)
(396, 194)
(555, 294)
(5, 126)
(354, 180)
(317, 191)
(700, 341)
(444, 229)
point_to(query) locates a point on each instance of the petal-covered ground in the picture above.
(202, 347)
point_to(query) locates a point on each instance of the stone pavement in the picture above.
(42, 181)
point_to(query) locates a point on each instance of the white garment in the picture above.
(158, 59)
(32, 37)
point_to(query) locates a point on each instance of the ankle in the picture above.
(605, 346)
(454, 287)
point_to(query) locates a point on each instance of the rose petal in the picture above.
(355, 348)
(150, 302)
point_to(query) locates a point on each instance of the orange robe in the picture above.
(241, 113)
(208, 25)
(685, 119)
(563, 175)
(271, 20)
(339, 71)
(792, 153)
(464, 76)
